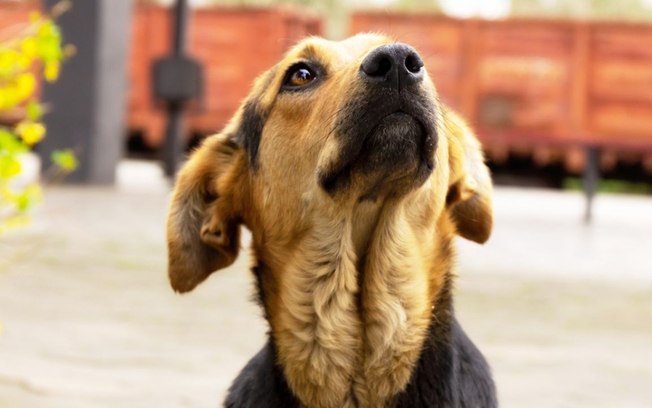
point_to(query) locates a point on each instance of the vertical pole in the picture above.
(180, 33)
(591, 178)
(88, 101)
(174, 142)
(173, 150)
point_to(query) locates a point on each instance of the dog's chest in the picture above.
(349, 330)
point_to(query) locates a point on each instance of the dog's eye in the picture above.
(298, 76)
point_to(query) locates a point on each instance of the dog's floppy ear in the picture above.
(470, 189)
(203, 226)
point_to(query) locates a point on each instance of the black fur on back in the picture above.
(451, 371)
(261, 384)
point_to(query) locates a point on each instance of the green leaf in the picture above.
(34, 110)
(9, 167)
(65, 159)
(10, 145)
(27, 198)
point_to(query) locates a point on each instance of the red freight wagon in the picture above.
(540, 87)
(619, 82)
(233, 44)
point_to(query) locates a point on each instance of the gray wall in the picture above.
(88, 101)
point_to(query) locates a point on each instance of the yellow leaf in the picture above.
(23, 61)
(51, 71)
(9, 167)
(9, 97)
(47, 28)
(25, 85)
(29, 47)
(8, 60)
(31, 132)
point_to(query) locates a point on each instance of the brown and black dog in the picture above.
(353, 179)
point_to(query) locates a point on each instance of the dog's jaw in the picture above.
(386, 142)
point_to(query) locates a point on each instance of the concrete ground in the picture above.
(562, 311)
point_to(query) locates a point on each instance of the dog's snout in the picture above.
(393, 65)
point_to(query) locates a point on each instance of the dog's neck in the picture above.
(365, 217)
(350, 307)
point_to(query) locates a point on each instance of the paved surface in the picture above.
(562, 311)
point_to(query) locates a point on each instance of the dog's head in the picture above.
(332, 126)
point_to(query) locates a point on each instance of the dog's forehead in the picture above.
(351, 49)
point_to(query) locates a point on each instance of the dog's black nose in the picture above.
(393, 65)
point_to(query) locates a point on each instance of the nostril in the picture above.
(384, 65)
(378, 66)
(413, 63)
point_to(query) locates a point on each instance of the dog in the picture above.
(354, 180)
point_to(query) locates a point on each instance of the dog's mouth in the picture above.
(397, 140)
(395, 151)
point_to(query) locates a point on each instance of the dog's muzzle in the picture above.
(387, 133)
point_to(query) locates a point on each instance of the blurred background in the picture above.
(101, 99)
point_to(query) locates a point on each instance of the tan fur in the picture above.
(470, 181)
(349, 286)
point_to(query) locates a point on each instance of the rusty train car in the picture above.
(233, 44)
(539, 87)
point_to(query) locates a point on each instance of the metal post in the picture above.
(173, 150)
(591, 177)
(180, 33)
(174, 143)
(88, 101)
